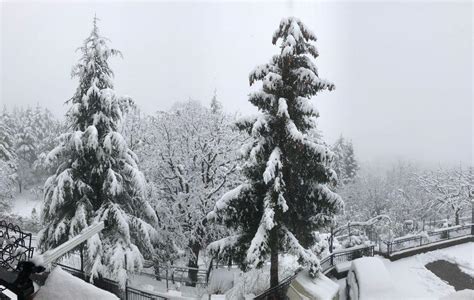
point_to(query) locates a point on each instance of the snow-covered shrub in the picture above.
(355, 240)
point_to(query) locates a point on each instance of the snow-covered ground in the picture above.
(412, 280)
(24, 203)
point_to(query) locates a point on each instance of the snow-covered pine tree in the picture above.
(345, 164)
(350, 162)
(216, 105)
(285, 197)
(25, 148)
(7, 160)
(6, 137)
(98, 177)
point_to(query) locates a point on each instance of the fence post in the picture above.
(126, 289)
(421, 240)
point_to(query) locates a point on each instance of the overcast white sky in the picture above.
(403, 71)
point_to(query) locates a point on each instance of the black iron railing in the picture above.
(278, 292)
(327, 263)
(174, 274)
(113, 287)
(15, 245)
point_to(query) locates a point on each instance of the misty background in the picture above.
(403, 71)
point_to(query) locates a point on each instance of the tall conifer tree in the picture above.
(97, 178)
(285, 197)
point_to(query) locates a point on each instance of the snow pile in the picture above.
(319, 288)
(369, 279)
(62, 285)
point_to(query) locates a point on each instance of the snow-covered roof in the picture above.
(306, 287)
(62, 285)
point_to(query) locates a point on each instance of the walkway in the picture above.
(452, 274)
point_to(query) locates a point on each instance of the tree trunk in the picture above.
(273, 258)
(193, 263)
(457, 217)
(156, 268)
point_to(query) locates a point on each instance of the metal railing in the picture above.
(15, 245)
(173, 274)
(401, 244)
(114, 287)
(279, 292)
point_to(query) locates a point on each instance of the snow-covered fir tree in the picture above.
(98, 178)
(345, 163)
(6, 137)
(7, 161)
(190, 158)
(216, 105)
(25, 148)
(285, 196)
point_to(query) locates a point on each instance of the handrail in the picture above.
(442, 234)
(349, 253)
(285, 282)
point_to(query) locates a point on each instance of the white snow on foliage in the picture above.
(273, 164)
(224, 201)
(220, 246)
(62, 285)
(306, 256)
(259, 241)
(282, 108)
(306, 106)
